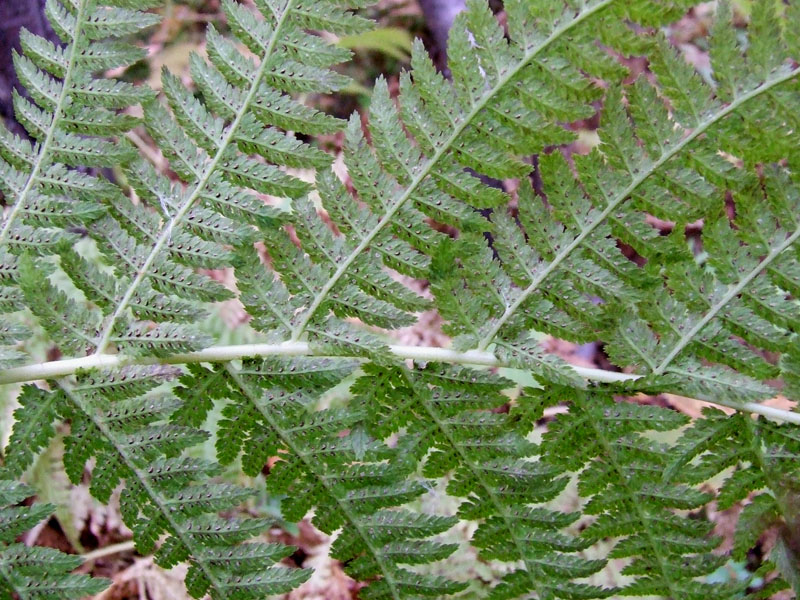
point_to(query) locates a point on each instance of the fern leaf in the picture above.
(38, 180)
(402, 184)
(450, 413)
(563, 245)
(572, 257)
(736, 294)
(351, 489)
(622, 482)
(159, 496)
(762, 455)
(34, 572)
(213, 153)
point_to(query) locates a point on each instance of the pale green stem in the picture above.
(70, 366)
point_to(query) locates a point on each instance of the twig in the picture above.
(108, 551)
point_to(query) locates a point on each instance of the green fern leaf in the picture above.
(584, 245)
(35, 572)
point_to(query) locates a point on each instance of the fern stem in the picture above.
(701, 128)
(66, 367)
(44, 149)
(442, 149)
(687, 337)
(215, 354)
(312, 467)
(166, 233)
(155, 497)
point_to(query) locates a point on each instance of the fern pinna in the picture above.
(33, 572)
(566, 247)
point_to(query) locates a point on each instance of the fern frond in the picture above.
(621, 469)
(717, 322)
(351, 484)
(215, 147)
(571, 250)
(402, 183)
(453, 421)
(727, 309)
(160, 496)
(760, 460)
(69, 118)
(129, 442)
(31, 572)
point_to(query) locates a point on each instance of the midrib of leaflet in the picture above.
(443, 148)
(166, 233)
(701, 128)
